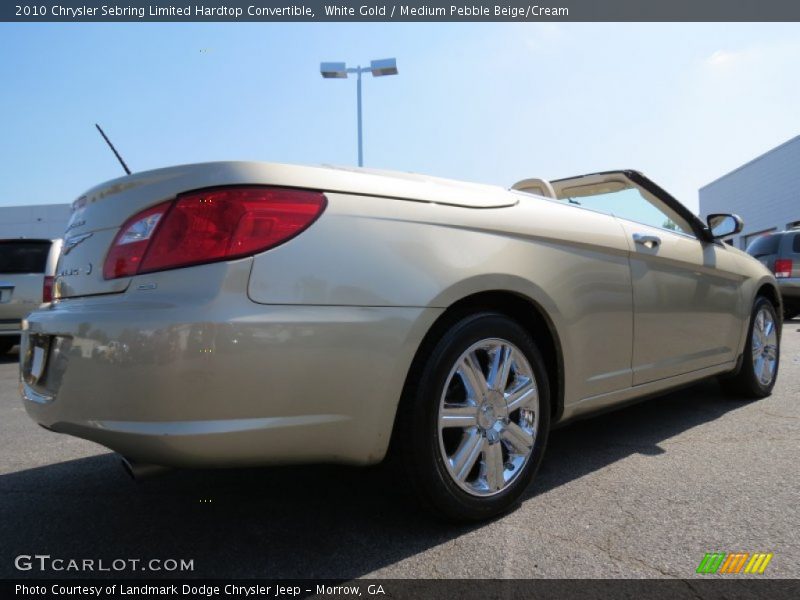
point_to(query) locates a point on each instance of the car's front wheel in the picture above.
(475, 420)
(759, 369)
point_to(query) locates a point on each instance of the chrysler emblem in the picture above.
(73, 241)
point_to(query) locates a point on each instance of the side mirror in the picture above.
(723, 225)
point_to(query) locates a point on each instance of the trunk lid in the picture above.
(98, 214)
(20, 294)
(22, 269)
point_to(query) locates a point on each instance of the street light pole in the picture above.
(339, 70)
(360, 135)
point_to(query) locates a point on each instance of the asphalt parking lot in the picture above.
(642, 492)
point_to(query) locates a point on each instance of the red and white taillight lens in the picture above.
(130, 244)
(210, 225)
(783, 268)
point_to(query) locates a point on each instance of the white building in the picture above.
(35, 221)
(765, 192)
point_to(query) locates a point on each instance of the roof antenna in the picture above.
(114, 150)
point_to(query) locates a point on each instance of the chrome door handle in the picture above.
(648, 241)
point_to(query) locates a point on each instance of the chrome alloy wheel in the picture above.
(488, 417)
(764, 347)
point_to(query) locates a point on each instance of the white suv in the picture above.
(27, 268)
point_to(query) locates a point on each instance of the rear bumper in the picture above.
(10, 327)
(212, 385)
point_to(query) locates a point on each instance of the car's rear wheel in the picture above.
(7, 343)
(475, 418)
(759, 369)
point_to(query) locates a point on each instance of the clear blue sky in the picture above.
(493, 103)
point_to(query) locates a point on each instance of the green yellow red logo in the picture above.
(733, 563)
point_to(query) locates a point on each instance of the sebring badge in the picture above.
(75, 271)
(73, 241)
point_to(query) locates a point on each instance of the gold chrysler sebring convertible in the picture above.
(234, 313)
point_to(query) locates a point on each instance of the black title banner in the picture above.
(421, 589)
(434, 10)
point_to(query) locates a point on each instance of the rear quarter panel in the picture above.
(367, 251)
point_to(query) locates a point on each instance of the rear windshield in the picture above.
(766, 244)
(23, 256)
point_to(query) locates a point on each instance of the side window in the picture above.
(628, 203)
(796, 243)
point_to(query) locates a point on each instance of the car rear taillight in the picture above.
(131, 242)
(210, 225)
(783, 267)
(47, 289)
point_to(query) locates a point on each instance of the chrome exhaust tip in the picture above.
(139, 471)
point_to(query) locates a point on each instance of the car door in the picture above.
(686, 291)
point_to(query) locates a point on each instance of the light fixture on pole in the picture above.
(339, 70)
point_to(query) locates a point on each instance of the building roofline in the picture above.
(750, 162)
(2, 206)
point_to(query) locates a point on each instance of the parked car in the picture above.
(229, 314)
(780, 253)
(27, 267)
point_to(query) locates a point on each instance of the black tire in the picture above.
(7, 343)
(417, 438)
(746, 383)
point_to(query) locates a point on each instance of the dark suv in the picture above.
(780, 253)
